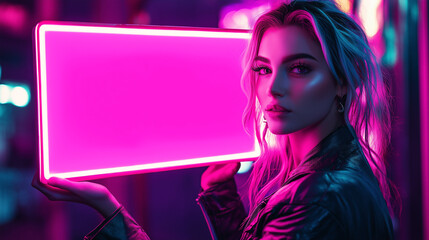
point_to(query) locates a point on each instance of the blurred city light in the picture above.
(13, 18)
(391, 55)
(371, 16)
(344, 5)
(4, 93)
(238, 16)
(19, 96)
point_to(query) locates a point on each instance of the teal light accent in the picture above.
(403, 5)
(414, 12)
(245, 167)
(391, 54)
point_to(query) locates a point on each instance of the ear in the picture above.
(341, 89)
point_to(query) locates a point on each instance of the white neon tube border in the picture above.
(43, 110)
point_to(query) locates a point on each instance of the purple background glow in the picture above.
(119, 100)
(164, 202)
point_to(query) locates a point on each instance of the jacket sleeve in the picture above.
(223, 210)
(303, 222)
(119, 226)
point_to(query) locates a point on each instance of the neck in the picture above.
(304, 140)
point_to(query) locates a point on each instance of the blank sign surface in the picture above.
(117, 100)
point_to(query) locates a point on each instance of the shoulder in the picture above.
(346, 200)
(326, 187)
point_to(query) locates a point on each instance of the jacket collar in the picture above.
(331, 153)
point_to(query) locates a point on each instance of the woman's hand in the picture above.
(92, 194)
(219, 173)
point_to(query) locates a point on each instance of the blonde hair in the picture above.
(351, 62)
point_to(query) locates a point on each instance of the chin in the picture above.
(281, 130)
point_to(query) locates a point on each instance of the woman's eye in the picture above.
(300, 69)
(261, 70)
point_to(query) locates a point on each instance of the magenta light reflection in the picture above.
(122, 100)
(424, 109)
(13, 17)
(241, 16)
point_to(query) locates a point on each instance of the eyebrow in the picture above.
(287, 58)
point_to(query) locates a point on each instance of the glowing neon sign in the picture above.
(116, 100)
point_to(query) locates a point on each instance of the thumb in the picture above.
(232, 168)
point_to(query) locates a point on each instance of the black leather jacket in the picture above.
(332, 194)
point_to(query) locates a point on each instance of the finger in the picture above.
(231, 169)
(81, 189)
(217, 167)
(53, 193)
(64, 184)
(226, 168)
(220, 172)
(235, 167)
(35, 179)
(56, 194)
(36, 182)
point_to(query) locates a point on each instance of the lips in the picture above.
(276, 108)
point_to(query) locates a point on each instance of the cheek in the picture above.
(315, 94)
(259, 92)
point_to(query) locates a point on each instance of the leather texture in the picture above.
(332, 194)
(119, 226)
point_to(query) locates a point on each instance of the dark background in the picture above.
(164, 203)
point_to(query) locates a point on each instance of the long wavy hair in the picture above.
(352, 63)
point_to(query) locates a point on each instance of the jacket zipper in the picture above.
(265, 201)
(200, 201)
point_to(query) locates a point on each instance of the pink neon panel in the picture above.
(127, 102)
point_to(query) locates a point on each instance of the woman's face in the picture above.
(292, 73)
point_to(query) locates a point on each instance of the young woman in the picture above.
(320, 110)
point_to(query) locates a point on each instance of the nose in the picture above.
(279, 83)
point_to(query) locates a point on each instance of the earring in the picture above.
(341, 109)
(340, 102)
(264, 120)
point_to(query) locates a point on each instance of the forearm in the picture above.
(223, 209)
(120, 225)
(106, 207)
